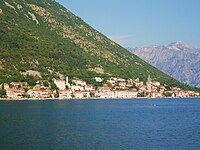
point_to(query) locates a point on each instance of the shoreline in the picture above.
(91, 98)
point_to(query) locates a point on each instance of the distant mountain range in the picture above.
(177, 59)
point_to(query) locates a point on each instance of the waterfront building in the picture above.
(65, 94)
(60, 84)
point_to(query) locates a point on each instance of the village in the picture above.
(78, 89)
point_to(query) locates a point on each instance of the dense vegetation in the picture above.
(61, 42)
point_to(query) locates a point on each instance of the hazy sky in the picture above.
(136, 23)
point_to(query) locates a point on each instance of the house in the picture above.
(79, 95)
(183, 93)
(79, 82)
(114, 79)
(196, 93)
(120, 80)
(15, 92)
(121, 94)
(89, 87)
(86, 94)
(60, 84)
(143, 88)
(126, 93)
(106, 94)
(111, 82)
(154, 88)
(98, 79)
(155, 83)
(103, 89)
(122, 85)
(77, 88)
(133, 93)
(156, 94)
(40, 93)
(139, 83)
(5, 85)
(65, 94)
(16, 84)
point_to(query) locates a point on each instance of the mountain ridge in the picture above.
(45, 37)
(177, 59)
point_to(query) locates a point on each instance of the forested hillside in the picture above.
(42, 37)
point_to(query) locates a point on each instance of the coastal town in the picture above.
(114, 88)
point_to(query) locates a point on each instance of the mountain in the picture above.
(42, 40)
(177, 59)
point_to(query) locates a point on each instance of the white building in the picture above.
(14, 92)
(67, 82)
(78, 95)
(40, 93)
(76, 88)
(89, 87)
(126, 93)
(98, 79)
(79, 82)
(60, 84)
(65, 94)
(107, 94)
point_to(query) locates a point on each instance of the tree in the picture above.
(3, 93)
(46, 84)
(53, 87)
(168, 88)
(168, 94)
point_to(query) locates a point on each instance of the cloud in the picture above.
(119, 37)
(123, 40)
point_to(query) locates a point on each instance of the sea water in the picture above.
(153, 124)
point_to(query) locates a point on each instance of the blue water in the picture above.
(100, 125)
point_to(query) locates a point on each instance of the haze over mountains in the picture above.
(177, 59)
(41, 40)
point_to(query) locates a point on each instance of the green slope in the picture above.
(60, 41)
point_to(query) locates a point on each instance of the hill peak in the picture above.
(179, 45)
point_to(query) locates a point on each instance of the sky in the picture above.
(138, 23)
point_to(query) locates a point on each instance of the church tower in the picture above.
(67, 82)
(149, 78)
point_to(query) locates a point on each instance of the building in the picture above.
(126, 93)
(79, 82)
(156, 94)
(60, 84)
(98, 79)
(89, 87)
(107, 94)
(155, 83)
(40, 93)
(122, 85)
(138, 83)
(78, 95)
(5, 86)
(77, 88)
(86, 94)
(67, 82)
(65, 94)
(103, 89)
(16, 84)
(15, 92)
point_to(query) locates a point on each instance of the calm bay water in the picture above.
(99, 124)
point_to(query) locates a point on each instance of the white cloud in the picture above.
(119, 37)
(123, 40)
